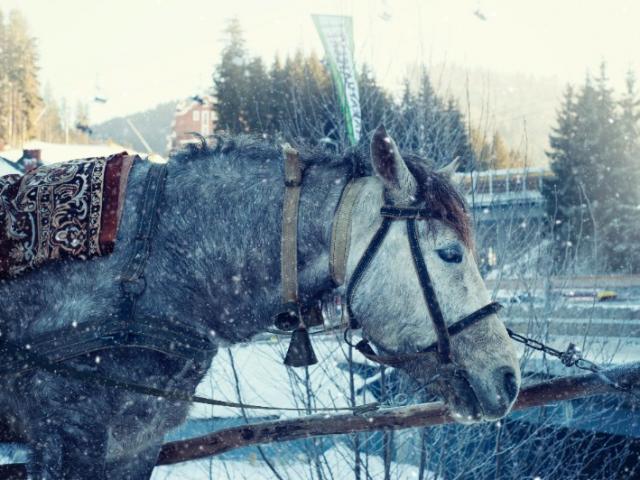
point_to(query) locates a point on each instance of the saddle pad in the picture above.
(69, 209)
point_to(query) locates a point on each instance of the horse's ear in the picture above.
(399, 183)
(449, 169)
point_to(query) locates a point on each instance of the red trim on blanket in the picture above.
(115, 183)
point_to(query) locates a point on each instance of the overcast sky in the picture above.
(142, 52)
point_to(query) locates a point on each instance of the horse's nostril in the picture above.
(511, 385)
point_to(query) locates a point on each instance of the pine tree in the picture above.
(481, 149)
(563, 191)
(425, 125)
(376, 104)
(500, 157)
(318, 101)
(230, 82)
(257, 105)
(19, 86)
(297, 99)
(406, 131)
(278, 96)
(593, 192)
(4, 84)
(623, 208)
(433, 124)
(303, 99)
(457, 137)
(50, 127)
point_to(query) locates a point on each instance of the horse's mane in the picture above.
(254, 147)
(435, 190)
(438, 193)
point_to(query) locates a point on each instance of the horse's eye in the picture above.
(451, 254)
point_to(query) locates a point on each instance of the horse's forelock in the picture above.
(439, 195)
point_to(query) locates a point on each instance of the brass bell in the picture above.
(300, 352)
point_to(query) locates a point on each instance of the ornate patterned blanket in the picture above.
(69, 209)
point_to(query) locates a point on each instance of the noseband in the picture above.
(443, 332)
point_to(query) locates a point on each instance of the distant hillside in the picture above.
(513, 104)
(153, 124)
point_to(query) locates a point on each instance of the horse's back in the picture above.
(70, 292)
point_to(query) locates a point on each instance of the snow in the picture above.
(265, 380)
(61, 152)
(13, 453)
(6, 168)
(339, 460)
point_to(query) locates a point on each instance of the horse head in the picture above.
(475, 368)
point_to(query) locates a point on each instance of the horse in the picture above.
(214, 263)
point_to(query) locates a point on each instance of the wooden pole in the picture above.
(555, 390)
(427, 414)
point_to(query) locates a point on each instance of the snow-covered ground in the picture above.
(6, 168)
(264, 379)
(338, 460)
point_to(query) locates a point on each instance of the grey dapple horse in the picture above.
(214, 263)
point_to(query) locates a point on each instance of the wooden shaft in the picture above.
(555, 390)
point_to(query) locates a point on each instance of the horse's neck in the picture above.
(232, 215)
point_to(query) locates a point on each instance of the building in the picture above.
(507, 207)
(495, 193)
(192, 115)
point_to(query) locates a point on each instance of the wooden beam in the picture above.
(422, 415)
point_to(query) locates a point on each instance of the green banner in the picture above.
(336, 33)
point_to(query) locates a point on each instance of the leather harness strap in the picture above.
(129, 328)
(341, 231)
(289, 238)
(132, 281)
(290, 317)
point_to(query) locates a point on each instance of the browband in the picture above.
(406, 213)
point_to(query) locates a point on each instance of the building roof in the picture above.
(187, 104)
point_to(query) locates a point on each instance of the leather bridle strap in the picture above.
(363, 265)
(429, 294)
(443, 332)
(400, 359)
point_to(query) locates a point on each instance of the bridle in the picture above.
(442, 346)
